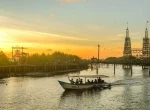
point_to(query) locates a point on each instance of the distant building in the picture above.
(127, 45)
(146, 45)
(94, 60)
(143, 52)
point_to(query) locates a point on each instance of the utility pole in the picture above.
(98, 52)
(114, 68)
(98, 59)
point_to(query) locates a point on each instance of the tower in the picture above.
(127, 44)
(146, 44)
(98, 53)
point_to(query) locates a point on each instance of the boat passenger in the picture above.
(72, 82)
(88, 81)
(102, 81)
(95, 81)
(81, 81)
(99, 80)
(77, 81)
(92, 82)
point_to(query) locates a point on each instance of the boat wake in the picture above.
(131, 82)
(2, 81)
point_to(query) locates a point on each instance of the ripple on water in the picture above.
(127, 93)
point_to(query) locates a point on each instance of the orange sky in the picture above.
(39, 42)
(49, 43)
(71, 26)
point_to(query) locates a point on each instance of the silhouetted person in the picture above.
(81, 81)
(102, 81)
(72, 82)
(99, 80)
(88, 81)
(92, 82)
(95, 81)
(77, 81)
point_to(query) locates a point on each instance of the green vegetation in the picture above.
(62, 58)
(3, 59)
(56, 57)
(127, 59)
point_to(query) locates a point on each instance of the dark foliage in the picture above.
(127, 59)
(3, 59)
(56, 57)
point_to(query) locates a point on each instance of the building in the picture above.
(143, 52)
(146, 45)
(127, 45)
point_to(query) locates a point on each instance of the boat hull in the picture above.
(68, 86)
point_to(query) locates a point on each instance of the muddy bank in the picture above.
(39, 74)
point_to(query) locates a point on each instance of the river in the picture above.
(129, 92)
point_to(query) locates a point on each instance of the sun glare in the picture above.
(2, 36)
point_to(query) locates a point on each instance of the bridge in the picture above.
(137, 52)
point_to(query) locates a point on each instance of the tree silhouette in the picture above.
(3, 59)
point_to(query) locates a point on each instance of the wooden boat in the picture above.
(70, 86)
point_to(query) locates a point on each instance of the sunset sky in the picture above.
(72, 26)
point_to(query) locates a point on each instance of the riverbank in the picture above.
(48, 74)
(129, 93)
(38, 70)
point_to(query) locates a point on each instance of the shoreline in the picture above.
(40, 74)
(39, 70)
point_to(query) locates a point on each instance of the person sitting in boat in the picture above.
(95, 81)
(81, 81)
(77, 81)
(88, 81)
(72, 82)
(102, 81)
(99, 80)
(92, 82)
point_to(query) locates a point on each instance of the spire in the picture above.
(127, 31)
(146, 24)
(146, 30)
(127, 45)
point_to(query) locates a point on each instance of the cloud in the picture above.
(135, 33)
(49, 49)
(51, 15)
(71, 1)
(132, 34)
(68, 49)
(40, 15)
(121, 35)
(58, 36)
(3, 18)
(27, 36)
(95, 27)
(14, 23)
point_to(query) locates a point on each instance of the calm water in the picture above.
(128, 93)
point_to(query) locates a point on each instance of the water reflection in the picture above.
(79, 93)
(77, 99)
(127, 73)
(145, 73)
(130, 92)
(127, 90)
(70, 99)
(127, 97)
(145, 98)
